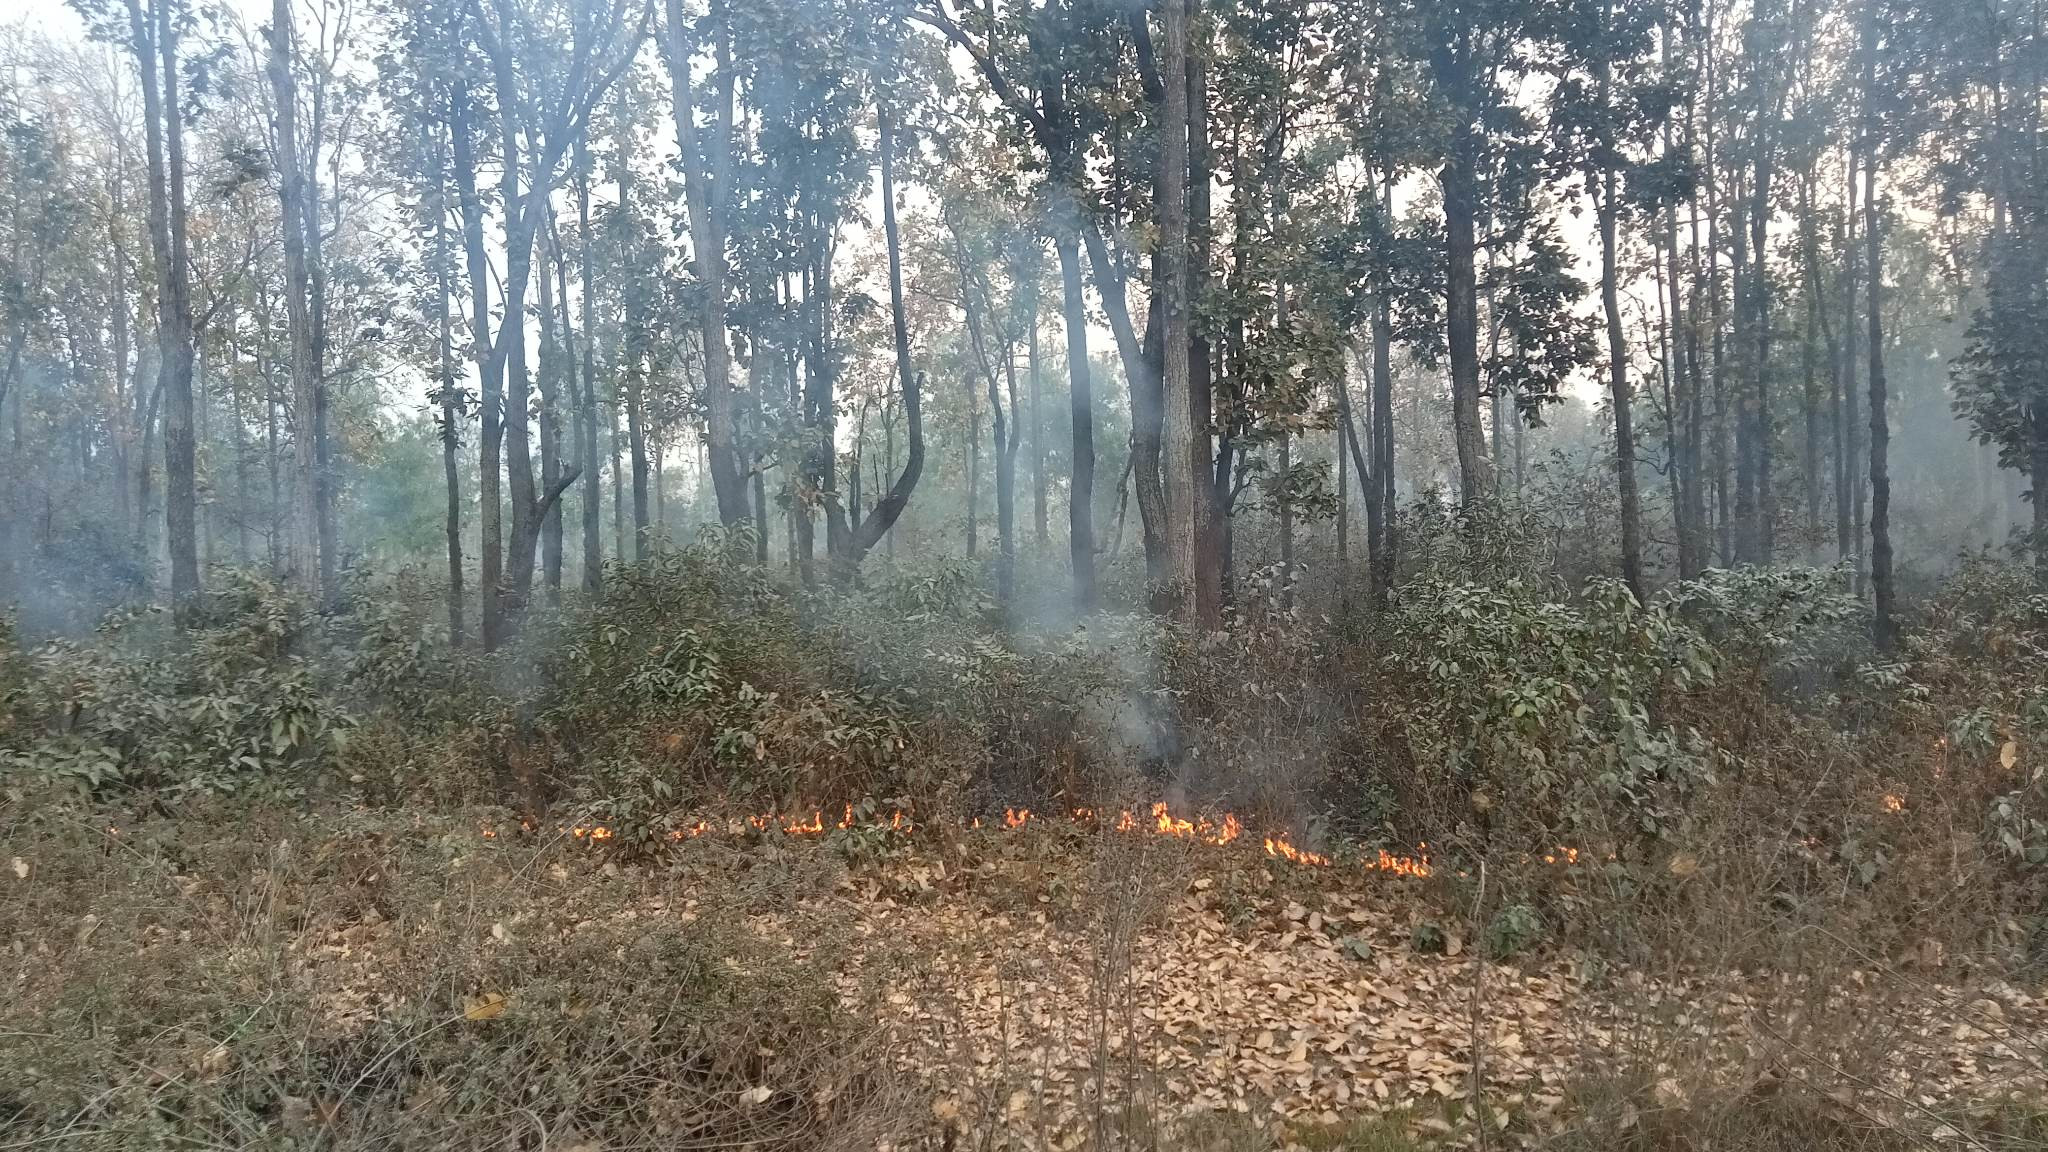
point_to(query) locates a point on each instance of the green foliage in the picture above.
(1779, 618)
(1512, 930)
(220, 706)
(1548, 710)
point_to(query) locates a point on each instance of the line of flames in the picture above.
(1216, 832)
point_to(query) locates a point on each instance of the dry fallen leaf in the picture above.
(20, 868)
(1684, 864)
(2009, 755)
(488, 1006)
(758, 1094)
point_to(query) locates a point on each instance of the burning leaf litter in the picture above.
(1213, 831)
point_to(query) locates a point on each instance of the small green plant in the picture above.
(1429, 937)
(1512, 930)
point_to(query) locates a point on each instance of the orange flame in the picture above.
(1160, 822)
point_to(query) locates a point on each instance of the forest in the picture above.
(1293, 575)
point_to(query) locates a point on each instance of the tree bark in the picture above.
(862, 538)
(450, 396)
(1461, 313)
(1883, 630)
(1184, 438)
(156, 53)
(704, 193)
(291, 182)
(1451, 66)
(1384, 496)
(1081, 486)
(552, 364)
(490, 372)
(633, 352)
(593, 480)
(1619, 393)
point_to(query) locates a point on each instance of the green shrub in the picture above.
(222, 705)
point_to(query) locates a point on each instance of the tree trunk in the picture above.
(634, 350)
(1385, 497)
(325, 530)
(1184, 435)
(593, 480)
(156, 49)
(705, 191)
(490, 372)
(1201, 368)
(861, 538)
(1851, 496)
(1461, 314)
(291, 180)
(1882, 627)
(450, 397)
(1619, 392)
(1081, 487)
(552, 351)
(1038, 509)
(1762, 423)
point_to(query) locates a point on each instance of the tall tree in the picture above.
(154, 40)
(707, 178)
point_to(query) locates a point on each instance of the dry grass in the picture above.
(379, 983)
(235, 980)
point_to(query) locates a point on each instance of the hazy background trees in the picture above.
(517, 288)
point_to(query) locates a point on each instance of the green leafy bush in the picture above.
(1542, 711)
(223, 705)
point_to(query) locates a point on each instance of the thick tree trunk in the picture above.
(1185, 439)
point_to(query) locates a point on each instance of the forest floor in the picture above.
(1040, 989)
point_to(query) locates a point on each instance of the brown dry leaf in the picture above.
(758, 1094)
(1684, 864)
(488, 1006)
(2009, 755)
